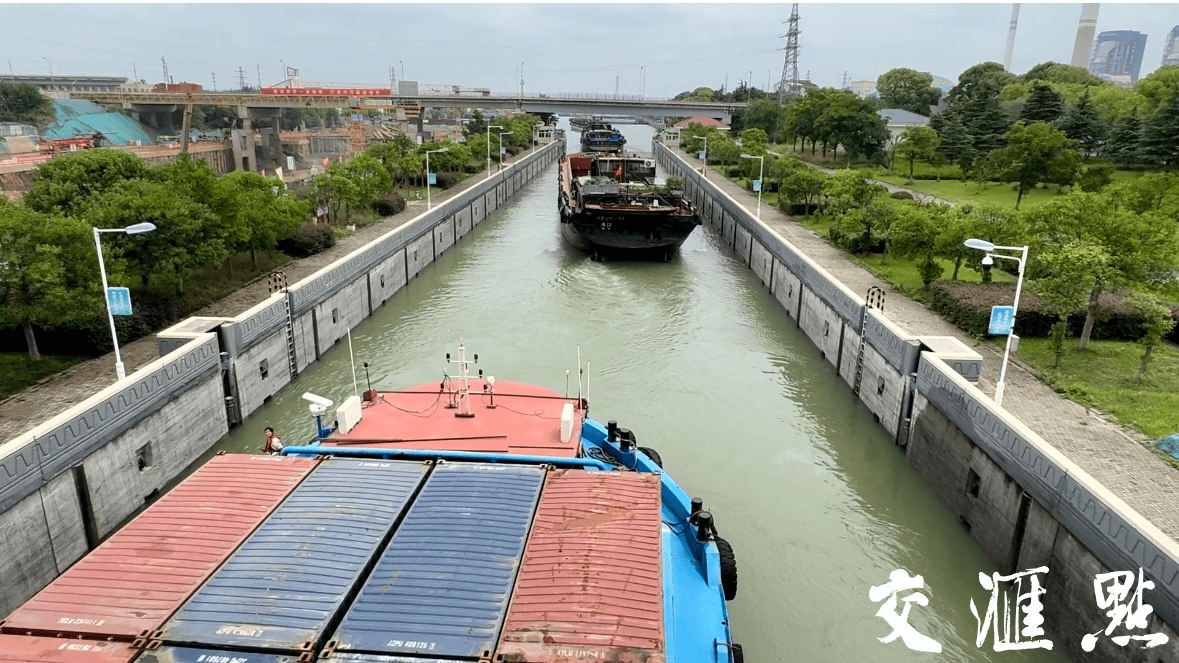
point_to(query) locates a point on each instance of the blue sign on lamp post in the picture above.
(1002, 320)
(119, 299)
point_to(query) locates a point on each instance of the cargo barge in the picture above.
(611, 207)
(471, 520)
(598, 136)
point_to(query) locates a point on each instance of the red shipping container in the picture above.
(132, 583)
(591, 584)
(35, 649)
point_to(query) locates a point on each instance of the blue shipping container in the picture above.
(442, 586)
(287, 582)
(187, 655)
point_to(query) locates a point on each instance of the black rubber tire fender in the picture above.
(728, 564)
(653, 455)
(738, 655)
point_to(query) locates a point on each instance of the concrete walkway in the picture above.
(59, 392)
(1111, 454)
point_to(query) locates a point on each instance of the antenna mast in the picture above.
(788, 87)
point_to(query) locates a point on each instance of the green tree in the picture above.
(847, 189)
(753, 141)
(24, 103)
(1125, 141)
(370, 177)
(1037, 153)
(1158, 88)
(1069, 272)
(914, 232)
(764, 114)
(48, 271)
(400, 158)
(335, 189)
(917, 143)
(1140, 247)
(986, 121)
(1158, 323)
(699, 94)
(65, 184)
(724, 150)
(853, 123)
(802, 186)
(1044, 104)
(1083, 124)
(988, 77)
(186, 235)
(253, 214)
(1061, 73)
(454, 158)
(1153, 192)
(908, 89)
(863, 228)
(1159, 144)
(954, 141)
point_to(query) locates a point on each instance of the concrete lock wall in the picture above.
(1025, 503)
(71, 481)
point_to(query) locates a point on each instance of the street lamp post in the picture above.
(428, 153)
(501, 148)
(52, 83)
(704, 166)
(988, 260)
(760, 172)
(130, 230)
(489, 128)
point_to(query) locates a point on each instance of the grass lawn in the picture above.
(963, 192)
(18, 372)
(1105, 377)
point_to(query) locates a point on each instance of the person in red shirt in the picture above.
(273, 444)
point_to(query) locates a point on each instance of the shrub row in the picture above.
(968, 307)
(390, 205)
(309, 239)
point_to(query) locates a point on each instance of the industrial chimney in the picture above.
(1085, 32)
(1011, 36)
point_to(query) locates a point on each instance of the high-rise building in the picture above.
(1118, 53)
(1083, 47)
(1171, 49)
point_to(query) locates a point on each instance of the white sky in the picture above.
(563, 47)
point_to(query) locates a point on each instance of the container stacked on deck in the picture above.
(441, 588)
(399, 561)
(591, 584)
(132, 583)
(282, 590)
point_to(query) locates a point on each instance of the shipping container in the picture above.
(129, 586)
(442, 586)
(353, 657)
(590, 585)
(41, 649)
(201, 655)
(284, 587)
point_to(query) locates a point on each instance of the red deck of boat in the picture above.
(526, 419)
(35, 649)
(135, 580)
(590, 586)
